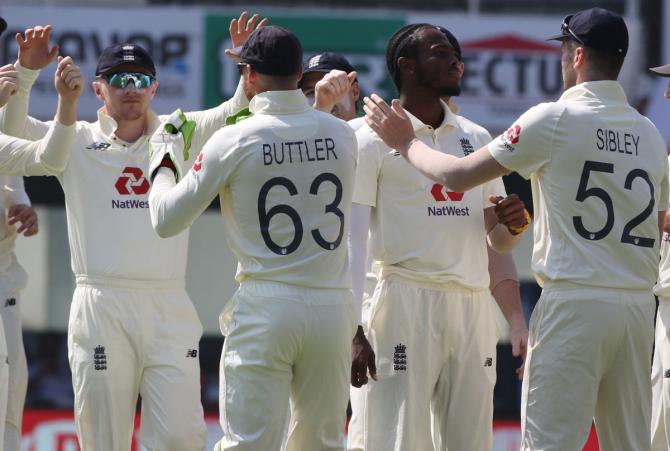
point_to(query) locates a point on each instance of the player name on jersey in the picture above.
(318, 149)
(448, 211)
(615, 141)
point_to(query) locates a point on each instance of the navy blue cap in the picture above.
(327, 61)
(452, 40)
(124, 54)
(597, 28)
(3, 25)
(272, 50)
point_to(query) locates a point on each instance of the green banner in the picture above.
(361, 40)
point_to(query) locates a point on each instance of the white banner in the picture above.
(173, 36)
(509, 64)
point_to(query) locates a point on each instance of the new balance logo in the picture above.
(467, 147)
(400, 358)
(666, 374)
(10, 302)
(98, 146)
(100, 358)
(488, 361)
(192, 353)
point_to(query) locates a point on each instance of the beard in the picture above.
(449, 88)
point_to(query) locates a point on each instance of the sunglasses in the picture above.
(566, 29)
(121, 79)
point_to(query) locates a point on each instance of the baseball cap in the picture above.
(3, 25)
(124, 54)
(271, 50)
(597, 28)
(327, 61)
(664, 71)
(452, 40)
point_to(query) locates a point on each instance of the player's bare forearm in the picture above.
(506, 295)
(665, 223)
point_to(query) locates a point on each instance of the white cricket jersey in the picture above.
(419, 229)
(285, 179)
(599, 175)
(357, 123)
(662, 288)
(107, 191)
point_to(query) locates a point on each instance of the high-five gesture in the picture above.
(9, 83)
(34, 52)
(240, 29)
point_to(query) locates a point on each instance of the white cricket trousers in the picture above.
(436, 362)
(285, 342)
(10, 311)
(127, 338)
(589, 356)
(660, 380)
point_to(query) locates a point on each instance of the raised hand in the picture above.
(34, 52)
(9, 83)
(391, 124)
(332, 88)
(240, 29)
(69, 79)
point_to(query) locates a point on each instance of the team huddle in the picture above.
(316, 203)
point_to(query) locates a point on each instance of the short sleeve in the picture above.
(526, 146)
(367, 170)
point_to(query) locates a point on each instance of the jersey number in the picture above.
(264, 216)
(584, 193)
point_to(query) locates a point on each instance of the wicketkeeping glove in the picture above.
(172, 140)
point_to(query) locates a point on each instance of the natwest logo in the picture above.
(132, 181)
(440, 194)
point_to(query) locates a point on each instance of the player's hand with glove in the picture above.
(9, 83)
(362, 359)
(332, 88)
(34, 51)
(26, 216)
(511, 212)
(170, 144)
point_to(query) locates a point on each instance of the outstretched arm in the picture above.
(458, 174)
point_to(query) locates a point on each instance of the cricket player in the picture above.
(660, 373)
(17, 157)
(133, 329)
(285, 178)
(432, 319)
(17, 209)
(599, 174)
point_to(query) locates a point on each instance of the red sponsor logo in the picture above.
(440, 194)
(132, 181)
(513, 133)
(198, 162)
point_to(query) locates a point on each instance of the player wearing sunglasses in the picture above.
(133, 329)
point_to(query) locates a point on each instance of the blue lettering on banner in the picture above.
(129, 204)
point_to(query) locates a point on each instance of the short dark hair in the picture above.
(403, 43)
(606, 65)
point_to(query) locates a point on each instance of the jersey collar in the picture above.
(609, 90)
(269, 102)
(449, 119)
(108, 125)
